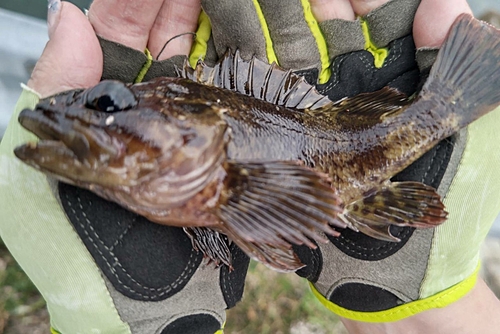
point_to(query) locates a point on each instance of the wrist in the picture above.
(476, 312)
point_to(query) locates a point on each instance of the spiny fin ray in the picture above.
(257, 79)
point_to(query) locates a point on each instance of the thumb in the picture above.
(72, 57)
(434, 19)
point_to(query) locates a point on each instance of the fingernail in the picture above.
(53, 14)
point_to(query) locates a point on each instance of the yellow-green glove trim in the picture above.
(442, 299)
(221, 331)
(271, 55)
(145, 68)
(199, 48)
(379, 54)
(325, 72)
(51, 254)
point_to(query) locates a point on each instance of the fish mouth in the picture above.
(89, 148)
(68, 145)
(78, 132)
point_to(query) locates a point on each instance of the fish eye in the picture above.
(109, 96)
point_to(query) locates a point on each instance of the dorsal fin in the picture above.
(383, 102)
(257, 79)
(364, 109)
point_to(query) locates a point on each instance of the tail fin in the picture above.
(467, 70)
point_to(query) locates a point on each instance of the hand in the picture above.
(148, 24)
(356, 276)
(98, 266)
(430, 26)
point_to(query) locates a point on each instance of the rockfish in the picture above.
(253, 152)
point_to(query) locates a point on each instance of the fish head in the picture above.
(117, 135)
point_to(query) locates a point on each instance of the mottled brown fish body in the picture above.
(254, 152)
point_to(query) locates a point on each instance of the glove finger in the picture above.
(375, 33)
(228, 31)
(130, 65)
(274, 31)
(391, 21)
(377, 28)
(292, 27)
(288, 33)
(121, 62)
(381, 51)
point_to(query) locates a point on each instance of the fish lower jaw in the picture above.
(54, 158)
(44, 153)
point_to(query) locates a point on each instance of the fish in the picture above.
(252, 152)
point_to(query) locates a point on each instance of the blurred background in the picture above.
(273, 302)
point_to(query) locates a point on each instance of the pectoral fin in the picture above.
(267, 206)
(412, 204)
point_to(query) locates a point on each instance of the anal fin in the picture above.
(412, 204)
(268, 206)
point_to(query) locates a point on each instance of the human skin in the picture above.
(476, 312)
(136, 24)
(65, 65)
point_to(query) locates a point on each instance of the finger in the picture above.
(127, 22)
(332, 9)
(433, 20)
(65, 64)
(175, 17)
(363, 7)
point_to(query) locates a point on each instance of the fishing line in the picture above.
(165, 45)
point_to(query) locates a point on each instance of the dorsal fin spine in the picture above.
(256, 80)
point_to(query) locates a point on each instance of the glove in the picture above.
(99, 267)
(356, 276)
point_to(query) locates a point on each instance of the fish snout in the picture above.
(80, 119)
(72, 150)
(86, 141)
